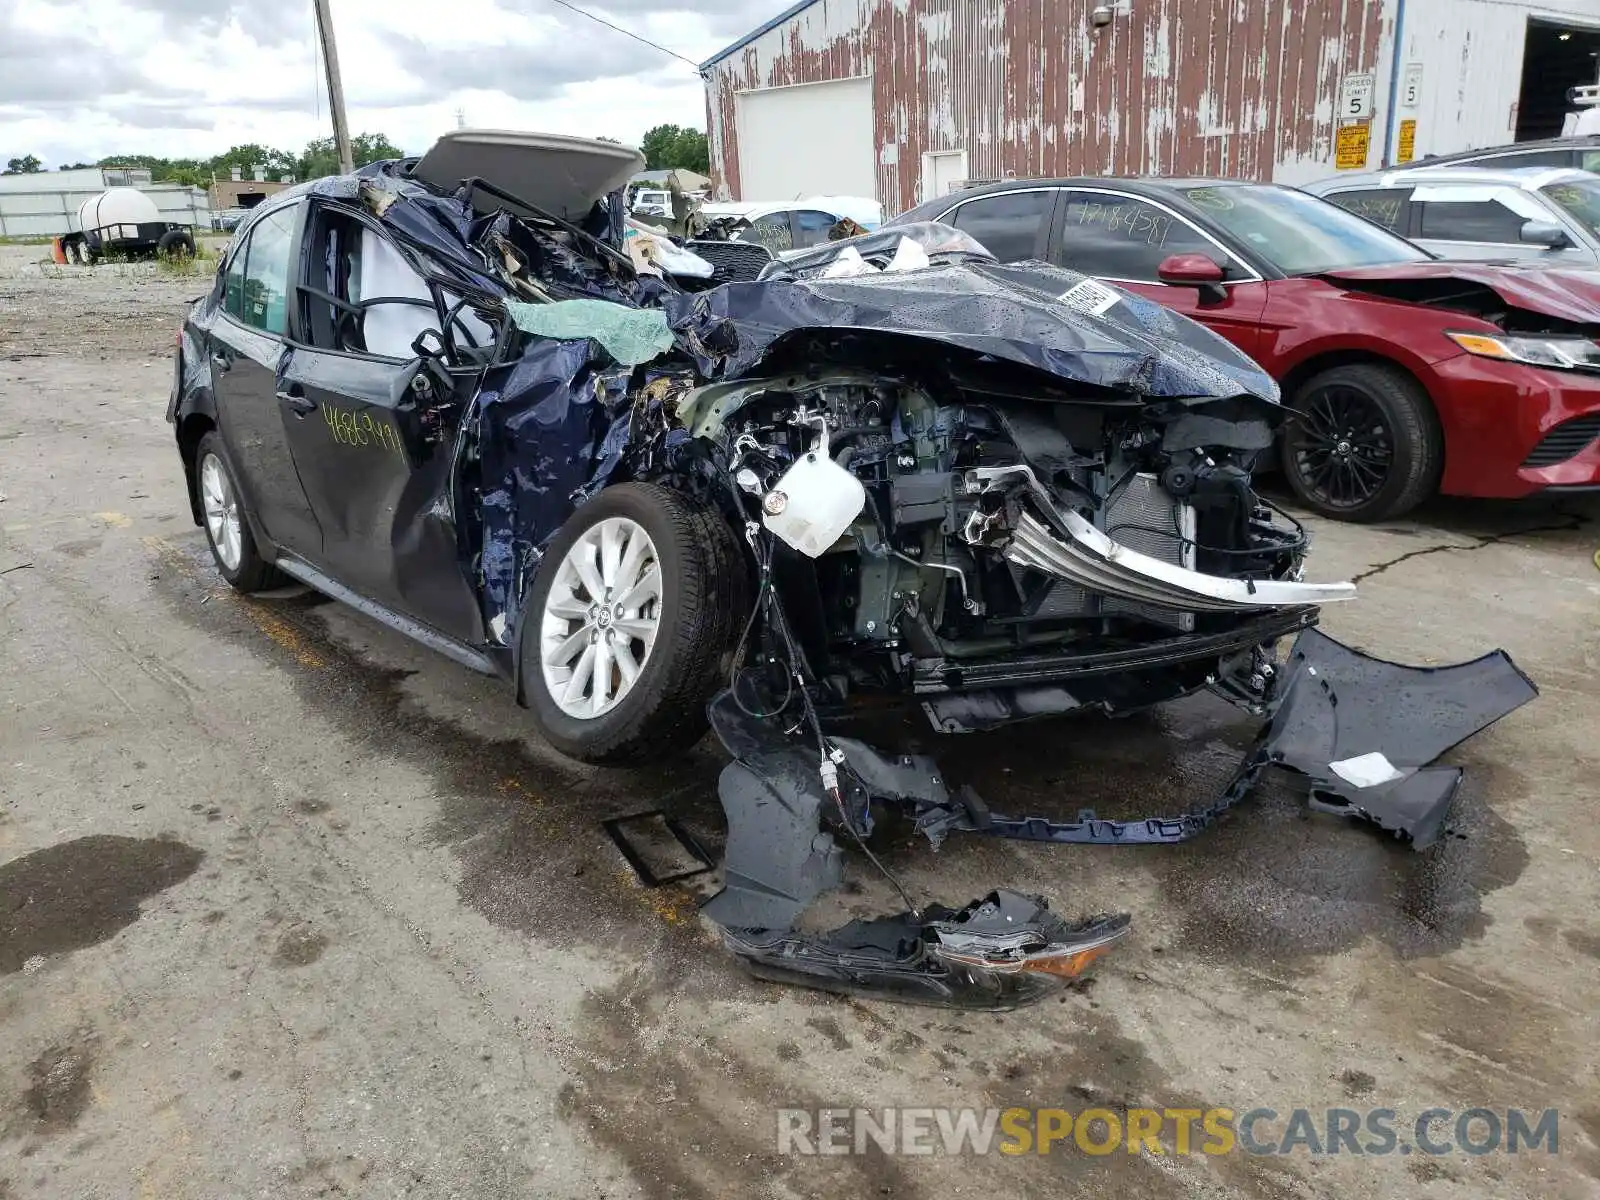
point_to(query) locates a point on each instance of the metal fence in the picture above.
(53, 210)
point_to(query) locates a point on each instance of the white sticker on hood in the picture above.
(1366, 770)
(1089, 297)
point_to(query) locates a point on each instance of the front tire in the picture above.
(222, 509)
(629, 623)
(1364, 445)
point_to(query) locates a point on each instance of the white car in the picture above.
(1532, 215)
(784, 226)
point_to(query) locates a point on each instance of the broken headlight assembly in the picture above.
(1562, 352)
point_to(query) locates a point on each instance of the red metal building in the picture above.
(902, 99)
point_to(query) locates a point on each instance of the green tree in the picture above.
(373, 147)
(26, 164)
(250, 156)
(668, 146)
(320, 158)
(77, 166)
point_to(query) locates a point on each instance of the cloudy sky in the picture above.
(85, 79)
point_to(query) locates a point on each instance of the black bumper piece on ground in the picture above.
(1361, 730)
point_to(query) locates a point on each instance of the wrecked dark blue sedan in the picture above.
(465, 394)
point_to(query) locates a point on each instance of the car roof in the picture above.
(1528, 179)
(1149, 186)
(1578, 142)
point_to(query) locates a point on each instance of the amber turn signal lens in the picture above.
(1478, 343)
(1066, 965)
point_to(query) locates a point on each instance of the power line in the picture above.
(628, 33)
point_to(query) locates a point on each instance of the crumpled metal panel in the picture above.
(1008, 313)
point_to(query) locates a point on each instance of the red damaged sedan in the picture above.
(1411, 375)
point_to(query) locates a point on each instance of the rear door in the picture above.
(247, 344)
(376, 456)
(1123, 238)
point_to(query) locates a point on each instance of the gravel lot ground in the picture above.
(290, 907)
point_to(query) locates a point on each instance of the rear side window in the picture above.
(1381, 206)
(1121, 237)
(1008, 225)
(1470, 221)
(1591, 161)
(258, 295)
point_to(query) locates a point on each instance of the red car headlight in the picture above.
(1563, 352)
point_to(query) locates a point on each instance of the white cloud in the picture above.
(79, 81)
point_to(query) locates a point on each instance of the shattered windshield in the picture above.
(1580, 200)
(1298, 233)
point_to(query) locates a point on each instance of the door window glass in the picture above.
(771, 231)
(265, 286)
(1470, 221)
(1381, 206)
(1120, 237)
(1007, 224)
(811, 227)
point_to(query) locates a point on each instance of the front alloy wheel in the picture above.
(1342, 448)
(600, 618)
(1364, 444)
(630, 623)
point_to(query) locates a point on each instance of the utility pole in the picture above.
(330, 59)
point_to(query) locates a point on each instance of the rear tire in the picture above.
(225, 520)
(624, 677)
(1364, 445)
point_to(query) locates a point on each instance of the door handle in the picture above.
(294, 396)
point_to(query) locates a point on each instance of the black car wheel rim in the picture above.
(1342, 448)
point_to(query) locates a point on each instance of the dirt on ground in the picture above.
(290, 906)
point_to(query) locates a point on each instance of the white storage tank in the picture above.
(117, 206)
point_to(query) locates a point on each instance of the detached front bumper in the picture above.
(1513, 430)
(1361, 731)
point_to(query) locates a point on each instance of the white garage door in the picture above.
(808, 140)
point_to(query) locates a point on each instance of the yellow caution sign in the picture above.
(1350, 146)
(1408, 142)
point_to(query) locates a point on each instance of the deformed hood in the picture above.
(1566, 295)
(1053, 320)
(562, 175)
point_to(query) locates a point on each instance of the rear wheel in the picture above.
(1364, 444)
(632, 616)
(233, 546)
(176, 243)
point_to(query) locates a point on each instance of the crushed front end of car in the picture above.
(996, 492)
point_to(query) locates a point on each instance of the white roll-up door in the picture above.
(807, 140)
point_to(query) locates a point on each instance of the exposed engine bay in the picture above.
(963, 542)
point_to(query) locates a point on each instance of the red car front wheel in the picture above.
(1364, 443)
